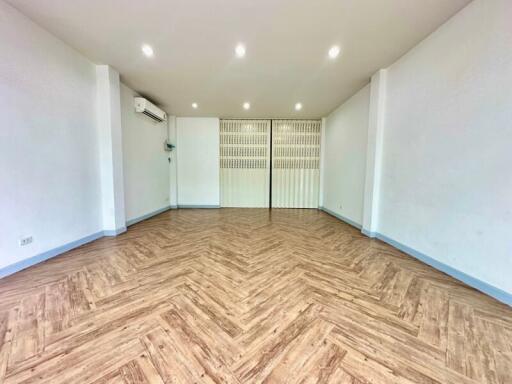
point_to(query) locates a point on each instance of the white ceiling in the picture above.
(287, 43)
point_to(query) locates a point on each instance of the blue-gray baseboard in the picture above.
(114, 232)
(473, 282)
(13, 268)
(188, 206)
(340, 217)
(147, 215)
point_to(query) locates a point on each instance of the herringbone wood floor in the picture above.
(247, 296)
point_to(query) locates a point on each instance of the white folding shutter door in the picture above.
(245, 163)
(295, 163)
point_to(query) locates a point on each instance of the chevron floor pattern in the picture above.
(247, 296)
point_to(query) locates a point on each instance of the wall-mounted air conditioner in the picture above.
(146, 107)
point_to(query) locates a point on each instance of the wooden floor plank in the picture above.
(247, 296)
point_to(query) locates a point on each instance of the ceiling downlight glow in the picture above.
(298, 106)
(247, 105)
(240, 50)
(334, 51)
(194, 105)
(147, 50)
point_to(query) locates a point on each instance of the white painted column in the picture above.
(322, 164)
(374, 153)
(111, 149)
(173, 166)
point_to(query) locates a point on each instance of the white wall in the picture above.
(446, 186)
(198, 161)
(344, 157)
(49, 170)
(145, 162)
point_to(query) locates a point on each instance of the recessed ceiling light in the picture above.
(247, 105)
(240, 50)
(194, 105)
(147, 50)
(334, 52)
(298, 106)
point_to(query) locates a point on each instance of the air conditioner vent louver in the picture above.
(149, 109)
(147, 113)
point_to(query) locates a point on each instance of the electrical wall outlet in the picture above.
(25, 241)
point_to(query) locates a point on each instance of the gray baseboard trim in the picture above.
(20, 265)
(369, 233)
(174, 207)
(473, 282)
(340, 217)
(114, 232)
(23, 264)
(13, 268)
(187, 206)
(147, 216)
